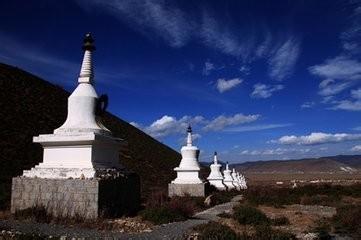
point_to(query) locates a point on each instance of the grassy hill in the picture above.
(30, 106)
(341, 163)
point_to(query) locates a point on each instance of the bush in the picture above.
(215, 231)
(325, 194)
(161, 215)
(265, 232)
(347, 220)
(171, 210)
(220, 197)
(250, 215)
(38, 214)
(279, 221)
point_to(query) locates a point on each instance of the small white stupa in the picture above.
(82, 146)
(242, 181)
(188, 181)
(228, 180)
(215, 178)
(235, 180)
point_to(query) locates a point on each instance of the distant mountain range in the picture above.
(340, 163)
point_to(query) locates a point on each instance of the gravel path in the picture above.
(167, 231)
(212, 213)
(172, 231)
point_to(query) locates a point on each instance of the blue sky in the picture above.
(256, 79)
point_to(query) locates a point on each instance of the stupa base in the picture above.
(194, 190)
(85, 198)
(217, 184)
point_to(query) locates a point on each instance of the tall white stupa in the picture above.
(235, 180)
(215, 177)
(82, 145)
(80, 174)
(228, 180)
(188, 181)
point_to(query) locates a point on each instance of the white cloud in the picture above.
(282, 63)
(256, 127)
(208, 67)
(353, 104)
(339, 74)
(265, 91)
(318, 138)
(168, 125)
(220, 122)
(135, 124)
(224, 85)
(330, 87)
(356, 148)
(308, 104)
(340, 67)
(275, 151)
(347, 105)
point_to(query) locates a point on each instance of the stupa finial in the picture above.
(86, 72)
(215, 158)
(189, 136)
(227, 168)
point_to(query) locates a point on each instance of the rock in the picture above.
(208, 201)
(310, 236)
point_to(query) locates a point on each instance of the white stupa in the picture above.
(228, 180)
(188, 181)
(188, 170)
(235, 179)
(242, 181)
(82, 146)
(215, 178)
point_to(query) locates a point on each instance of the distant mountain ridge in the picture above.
(339, 163)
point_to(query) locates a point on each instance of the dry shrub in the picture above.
(347, 220)
(217, 231)
(250, 215)
(280, 221)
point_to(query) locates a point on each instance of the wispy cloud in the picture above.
(177, 27)
(276, 151)
(354, 104)
(343, 71)
(356, 148)
(283, 61)
(224, 85)
(208, 67)
(222, 121)
(308, 104)
(256, 127)
(318, 138)
(265, 91)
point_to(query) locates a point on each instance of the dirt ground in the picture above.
(287, 179)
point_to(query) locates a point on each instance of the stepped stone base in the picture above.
(194, 190)
(85, 198)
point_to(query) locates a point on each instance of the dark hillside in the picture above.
(30, 106)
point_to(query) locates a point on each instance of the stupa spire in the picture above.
(215, 158)
(189, 136)
(86, 72)
(227, 168)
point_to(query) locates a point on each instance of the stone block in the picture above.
(194, 190)
(88, 198)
